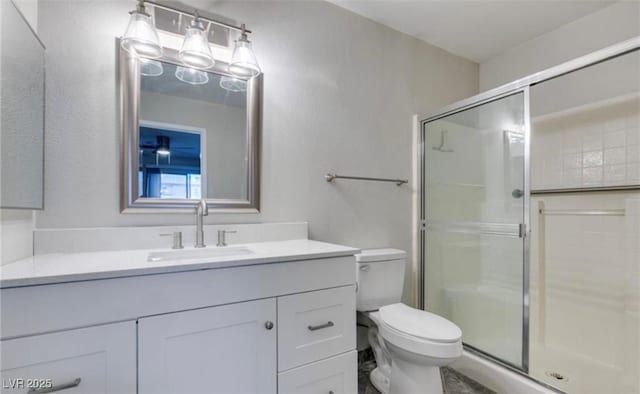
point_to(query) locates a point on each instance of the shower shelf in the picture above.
(586, 108)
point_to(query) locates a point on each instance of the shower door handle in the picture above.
(522, 230)
(514, 230)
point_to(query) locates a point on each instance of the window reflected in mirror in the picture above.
(192, 134)
(170, 162)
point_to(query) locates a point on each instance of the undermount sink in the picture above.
(198, 253)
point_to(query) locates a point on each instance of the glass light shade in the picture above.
(243, 61)
(233, 84)
(141, 36)
(195, 49)
(191, 75)
(150, 68)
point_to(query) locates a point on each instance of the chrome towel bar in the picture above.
(330, 177)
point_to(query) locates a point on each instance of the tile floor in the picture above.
(454, 382)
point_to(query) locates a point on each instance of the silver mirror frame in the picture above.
(129, 85)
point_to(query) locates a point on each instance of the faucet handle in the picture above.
(177, 239)
(222, 240)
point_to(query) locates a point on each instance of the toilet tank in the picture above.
(380, 278)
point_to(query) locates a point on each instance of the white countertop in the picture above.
(69, 267)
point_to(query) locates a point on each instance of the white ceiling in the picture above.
(475, 29)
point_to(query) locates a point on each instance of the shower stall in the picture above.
(530, 223)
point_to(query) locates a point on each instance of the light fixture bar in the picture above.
(190, 14)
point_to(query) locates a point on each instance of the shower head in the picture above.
(443, 143)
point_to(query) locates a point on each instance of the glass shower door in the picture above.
(473, 220)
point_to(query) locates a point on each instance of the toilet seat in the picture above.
(419, 331)
(419, 323)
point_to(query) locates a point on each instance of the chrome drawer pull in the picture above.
(53, 389)
(321, 326)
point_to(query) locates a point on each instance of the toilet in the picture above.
(409, 345)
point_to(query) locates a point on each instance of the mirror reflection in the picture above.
(192, 134)
(22, 107)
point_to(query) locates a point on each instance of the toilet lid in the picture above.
(419, 323)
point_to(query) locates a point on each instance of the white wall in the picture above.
(16, 235)
(603, 28)
(29, 9)
(340, 92)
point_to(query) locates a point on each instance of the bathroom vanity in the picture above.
(268, 317)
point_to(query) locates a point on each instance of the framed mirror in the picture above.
(22, 95)
(188, 134)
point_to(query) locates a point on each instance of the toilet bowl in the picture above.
(410, 345)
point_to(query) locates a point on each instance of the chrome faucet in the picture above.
(201, 210)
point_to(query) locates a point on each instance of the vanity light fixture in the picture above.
(191, 75)
(195, 51)
(243, 61)
(150, 68)
(233, 84)
(141, 36)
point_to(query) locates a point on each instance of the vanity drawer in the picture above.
(92, 360)
(335, 375)
(315, 325)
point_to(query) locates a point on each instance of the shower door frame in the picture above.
(521, 85)
(525, 219)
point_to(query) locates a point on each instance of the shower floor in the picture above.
(454, 382)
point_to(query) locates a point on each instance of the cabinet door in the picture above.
(227, 349)
(93, 360)
(336, 375)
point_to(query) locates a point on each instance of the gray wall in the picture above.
(608, 26)
(340, 92)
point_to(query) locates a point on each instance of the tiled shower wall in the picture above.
(584, 312)
(596, 145)
(584, 292)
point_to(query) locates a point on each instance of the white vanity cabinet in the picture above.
(284, 327)
(94, 360)
(335, 375)
(317, 341)
(239, 348)
(223, 349)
